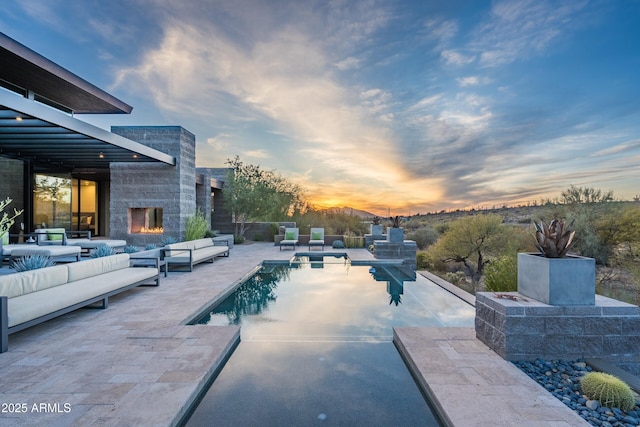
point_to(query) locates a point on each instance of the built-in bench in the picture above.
(32, 297)
(193, 252)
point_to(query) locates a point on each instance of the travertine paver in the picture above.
(470, 385)
(133, 364)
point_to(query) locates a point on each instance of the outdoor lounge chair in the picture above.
(290, 238)
(316, 238)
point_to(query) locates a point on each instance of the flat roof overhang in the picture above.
(30, 74)
(31, 131)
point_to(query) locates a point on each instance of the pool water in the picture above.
(317, 345)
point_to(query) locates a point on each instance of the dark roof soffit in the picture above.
(21, 67)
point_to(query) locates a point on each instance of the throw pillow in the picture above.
(316, 235)
(290, 235)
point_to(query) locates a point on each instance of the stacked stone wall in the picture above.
(521, 328)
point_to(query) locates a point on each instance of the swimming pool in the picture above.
(317, 344)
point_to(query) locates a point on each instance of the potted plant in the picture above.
(375, 227)
(395, 233)
(553, 276)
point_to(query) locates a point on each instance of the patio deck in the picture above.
(136, 364)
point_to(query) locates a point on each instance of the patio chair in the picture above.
(290, 238)
(316, 238)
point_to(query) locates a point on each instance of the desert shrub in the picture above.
(501, 274)
(238, 239)
(258, 237)
(102, 251)
(608, 390)
(428, 260)
(196, 226)
(150, 246)
(273, 230)
(457, 278)
(211, 233)
(338, 244)
(31, 262)
(130, 249)
(424, 236)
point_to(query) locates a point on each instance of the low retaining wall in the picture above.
(521, 328)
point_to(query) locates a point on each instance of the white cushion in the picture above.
(31, 306)
(16, 284)
(83, 269)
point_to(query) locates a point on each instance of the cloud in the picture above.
(519, 29)
(452, 57)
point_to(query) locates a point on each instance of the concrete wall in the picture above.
(154, 185)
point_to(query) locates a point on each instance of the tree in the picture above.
(471, 241)
(254, 194)
(576, 195)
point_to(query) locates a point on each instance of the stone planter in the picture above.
(557, 281)
(375, 229)
(395, 234)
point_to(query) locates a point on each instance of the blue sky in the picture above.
(389, 106)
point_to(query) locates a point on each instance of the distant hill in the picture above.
(350, 211)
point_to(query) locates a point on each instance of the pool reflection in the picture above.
(336, 301)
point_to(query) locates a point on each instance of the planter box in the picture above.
(557, 281)
(395, 235)
(375, 229)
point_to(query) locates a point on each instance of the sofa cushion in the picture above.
(178, 249)
(202, 243)
(16, 284)
(36, 304)
(92, 267)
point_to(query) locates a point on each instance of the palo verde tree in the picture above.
(255, 194)
(471, 241)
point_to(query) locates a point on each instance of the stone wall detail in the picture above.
(521, 328)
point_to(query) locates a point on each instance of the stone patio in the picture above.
(138, 364)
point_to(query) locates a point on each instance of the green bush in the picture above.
(196, 226)
(609, 390)
(103, 250)
(423, 236)
(238, 239)
(501, 274)
(211, 233)
(31, 262)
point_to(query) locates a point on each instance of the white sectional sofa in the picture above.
(193, 252)
(35, 296)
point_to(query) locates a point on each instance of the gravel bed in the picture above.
(562, 379)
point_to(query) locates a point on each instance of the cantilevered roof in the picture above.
(36, 132)
(31, 130)
(25, 71)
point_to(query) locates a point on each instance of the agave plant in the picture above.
(555, 239)
(395, 221)
(103, 250)
(131, 249)
(31, 262)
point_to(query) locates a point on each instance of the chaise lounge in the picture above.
(290, 238)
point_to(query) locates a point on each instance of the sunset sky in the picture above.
(389, 106)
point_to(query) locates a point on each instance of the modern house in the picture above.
(135, 183)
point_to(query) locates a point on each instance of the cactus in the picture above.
(103, 250)
(609, 390)
(31, 262)
(553, 240)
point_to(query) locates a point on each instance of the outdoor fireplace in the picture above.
(145, 220)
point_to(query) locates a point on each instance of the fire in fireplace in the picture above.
(145, 220)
